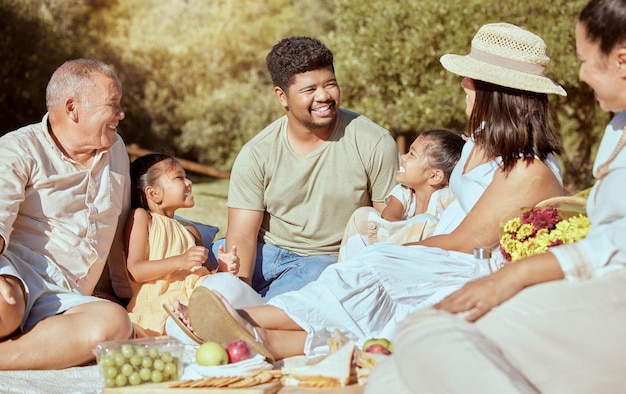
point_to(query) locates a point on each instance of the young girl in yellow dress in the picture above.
(165, 257)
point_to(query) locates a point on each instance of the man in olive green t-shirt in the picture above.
(294, 186)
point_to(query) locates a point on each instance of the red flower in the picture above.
(541, 218)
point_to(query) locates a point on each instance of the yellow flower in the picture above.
(519, 239)
(543, 239)
(512, 225)
(525, 230)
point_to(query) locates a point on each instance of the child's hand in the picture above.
(227, 262)
(194, 257)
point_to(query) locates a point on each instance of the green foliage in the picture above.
(194, 77)
(36, 37)
(198, 76)
(216, 136)
(388, 64)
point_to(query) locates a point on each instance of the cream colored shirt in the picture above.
(52, 205)
(603, 250)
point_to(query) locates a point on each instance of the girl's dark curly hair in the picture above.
(442, 148)
(296, 55)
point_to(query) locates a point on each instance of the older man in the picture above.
(65, 187)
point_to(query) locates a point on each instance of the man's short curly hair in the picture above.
(296, 55)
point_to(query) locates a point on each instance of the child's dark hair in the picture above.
(296, 55)
(442, 148)
(144, 172)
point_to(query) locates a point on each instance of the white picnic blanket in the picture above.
(77, 380)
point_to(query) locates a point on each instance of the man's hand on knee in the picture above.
(9, 285)
(12, 305)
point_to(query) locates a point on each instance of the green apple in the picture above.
(377, 345)
(211, 354)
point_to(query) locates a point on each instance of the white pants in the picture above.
(556, 337)
(366, 227)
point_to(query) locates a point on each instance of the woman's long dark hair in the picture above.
(513, 124)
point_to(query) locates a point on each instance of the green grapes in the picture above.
(157, 376)
(127, 350)
(147, 362)
(127, 369)
(134, 379)
(119, 360)
(172, 370)
(145, 374)
(110, 372)
(135, 360)
(107, 361)
(136, 364)
(153, 352)
(167, 357)
(121, 380)
(158, 364)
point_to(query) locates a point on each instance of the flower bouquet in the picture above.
(544, 226)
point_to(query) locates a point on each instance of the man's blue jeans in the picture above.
(279, 270)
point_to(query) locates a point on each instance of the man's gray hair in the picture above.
(73, 79)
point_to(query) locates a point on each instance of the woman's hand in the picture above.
(227, 262)
(479, 296)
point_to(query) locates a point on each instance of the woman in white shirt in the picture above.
(552, 322)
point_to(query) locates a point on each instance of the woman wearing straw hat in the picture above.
(552, 322)
(507, 163)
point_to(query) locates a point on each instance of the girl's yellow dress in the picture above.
(166, 237)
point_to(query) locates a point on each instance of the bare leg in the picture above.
(67, 339)
(282, 336)
(283, 344)
(269, 317)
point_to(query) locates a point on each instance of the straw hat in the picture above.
(506, 55)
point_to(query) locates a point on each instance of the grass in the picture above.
(210, 208)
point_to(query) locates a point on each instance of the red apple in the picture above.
(238, 351)
(377, 348)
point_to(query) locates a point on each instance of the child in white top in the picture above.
(414, 205)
